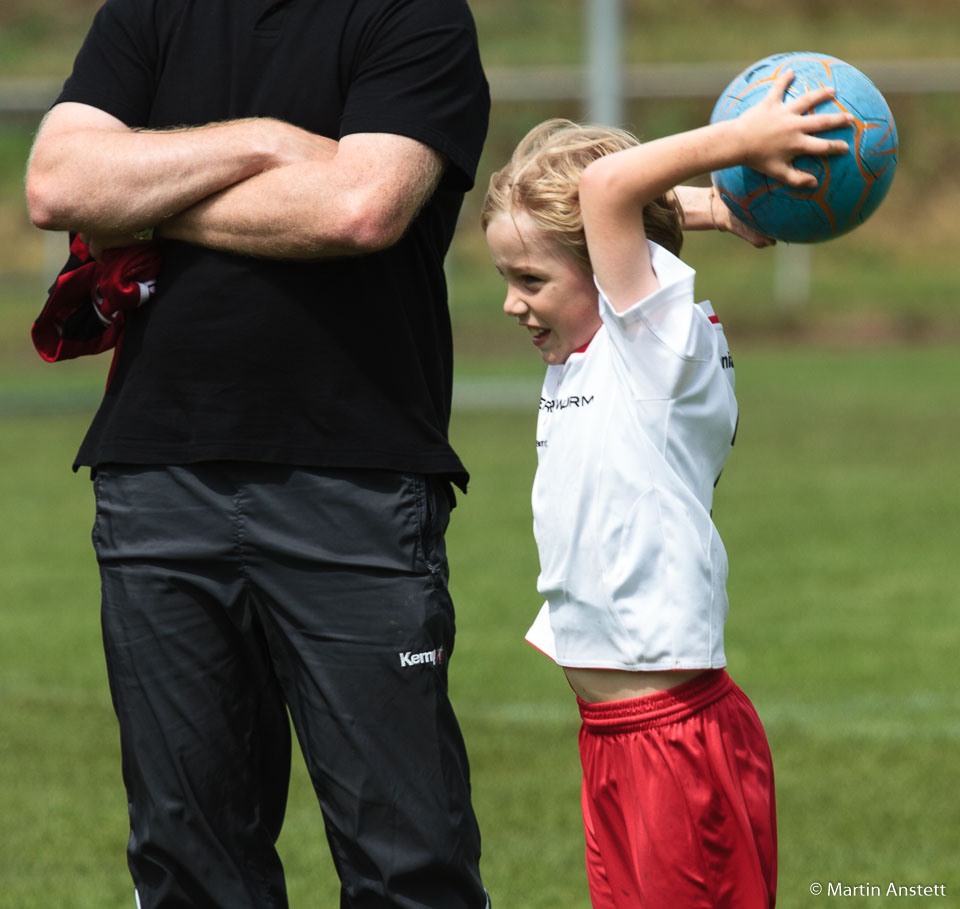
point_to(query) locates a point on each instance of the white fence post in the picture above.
(791, 276)
(604, 67)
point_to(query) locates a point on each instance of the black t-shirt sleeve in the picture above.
(114, 69)
(418, 73)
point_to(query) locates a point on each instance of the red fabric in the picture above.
(678, 800)
(126, 278)
(111, 287)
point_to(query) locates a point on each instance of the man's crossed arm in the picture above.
(258, 187)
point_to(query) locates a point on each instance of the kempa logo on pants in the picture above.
(427, 658)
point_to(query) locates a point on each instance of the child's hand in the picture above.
(725, 221)
(777, 131)
(703, 210)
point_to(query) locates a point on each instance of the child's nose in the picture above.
(513, 305)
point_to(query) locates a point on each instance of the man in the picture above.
(270, 460)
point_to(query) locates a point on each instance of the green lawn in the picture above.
(839, 509)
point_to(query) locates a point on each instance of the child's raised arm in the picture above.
(615, 188)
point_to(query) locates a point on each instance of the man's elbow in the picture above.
(39, 207)
(370, 228)
(45, 204)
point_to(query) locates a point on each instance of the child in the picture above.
(637, 417)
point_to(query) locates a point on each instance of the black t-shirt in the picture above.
(339, 363)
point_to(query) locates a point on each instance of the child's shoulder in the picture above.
(670, 268)
(676, 280)
(670, 317)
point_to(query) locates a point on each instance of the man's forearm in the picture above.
(91, 174)
(348, 203)
(255, 187)
(264, 216)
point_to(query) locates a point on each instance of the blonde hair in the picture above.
(542, 178)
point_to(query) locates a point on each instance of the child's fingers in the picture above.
(821, 123)
(807, 101)
(827, 147)
(798, 179)
(780, 85)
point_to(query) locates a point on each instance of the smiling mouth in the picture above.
(538, 335)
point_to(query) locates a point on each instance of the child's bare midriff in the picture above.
(597, 686)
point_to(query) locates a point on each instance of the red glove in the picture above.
(125, 279)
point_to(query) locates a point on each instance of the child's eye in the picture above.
(531, 280)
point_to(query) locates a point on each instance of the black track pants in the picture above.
(234, 592)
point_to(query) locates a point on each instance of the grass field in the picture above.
(840, 512)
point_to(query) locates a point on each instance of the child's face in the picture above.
(548, 292)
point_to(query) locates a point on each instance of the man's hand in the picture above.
(99, 243)
(291, 145)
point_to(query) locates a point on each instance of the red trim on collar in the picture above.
(715, 319)
(583, 349)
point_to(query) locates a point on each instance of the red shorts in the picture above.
(678, 801)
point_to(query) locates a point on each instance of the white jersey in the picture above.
(632, 435)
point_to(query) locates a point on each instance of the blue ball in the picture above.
(849, 187)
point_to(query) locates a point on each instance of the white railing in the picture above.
(27, 99)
